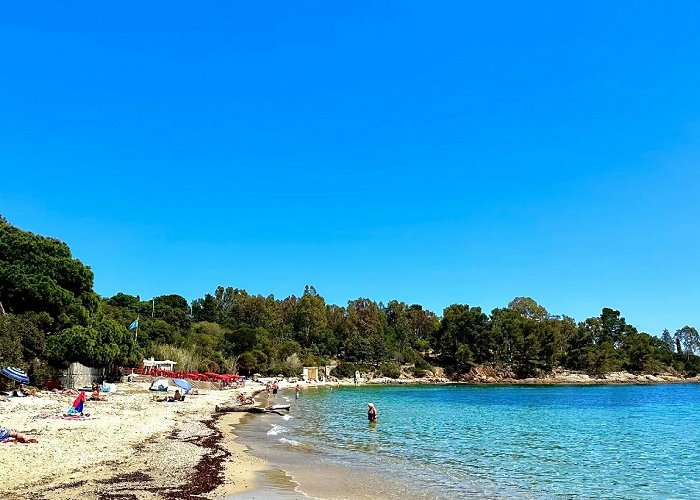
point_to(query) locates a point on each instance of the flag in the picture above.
(134, 325)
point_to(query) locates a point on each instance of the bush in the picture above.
(418, 372)
(346, 370)
(423, 364)
(391, 370)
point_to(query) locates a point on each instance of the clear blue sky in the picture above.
(433, 152)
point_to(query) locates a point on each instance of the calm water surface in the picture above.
(491, 441)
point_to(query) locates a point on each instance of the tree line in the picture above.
(52, 316)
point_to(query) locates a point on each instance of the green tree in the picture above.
(689, 339)
(103, 343)
(667, 339)
(11, 341)
(464, 325)
(247, 363)
(310, 320)
(366, 320)
(528, 308)
(39, 274)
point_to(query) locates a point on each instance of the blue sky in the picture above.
(433, 152)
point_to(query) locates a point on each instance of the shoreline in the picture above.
(132, 447)
(480, 376)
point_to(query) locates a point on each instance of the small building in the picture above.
(316, 373)
(150, 364)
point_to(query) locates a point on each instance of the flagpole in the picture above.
(137, 327)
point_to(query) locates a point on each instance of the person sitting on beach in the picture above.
(95, 396)
(244, 399)
(9, 435)
(178, 396)
(372, 414)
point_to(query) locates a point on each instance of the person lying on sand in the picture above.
(170, 399)
(24, 391)
(66, 392)
(9, 435)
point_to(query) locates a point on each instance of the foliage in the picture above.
(39, 274)
(103, 343)
(54, 315)
(347, 370)
(186, 359)
(391, 370)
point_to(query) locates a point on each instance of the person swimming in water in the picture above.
(372, 414)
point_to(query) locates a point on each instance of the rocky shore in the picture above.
(488, 375)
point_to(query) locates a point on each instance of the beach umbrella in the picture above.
(16, 374)
(184, 384)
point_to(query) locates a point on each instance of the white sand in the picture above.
(147, 445)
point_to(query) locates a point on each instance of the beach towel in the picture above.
(63, 417)
(73, 417)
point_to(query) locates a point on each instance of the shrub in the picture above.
(423, 364)
(345, 370)
(391, 370)
(418, 372)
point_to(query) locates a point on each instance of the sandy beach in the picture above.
(130, 447)
(134, 447)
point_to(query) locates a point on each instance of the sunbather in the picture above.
(95, 396)
(12, 435)
(24, 391)
(66, 392)
(170, 399)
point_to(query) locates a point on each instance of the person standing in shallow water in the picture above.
(372, 414)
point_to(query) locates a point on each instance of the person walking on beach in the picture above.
(372, 414)
(275, 388)
(297, 389)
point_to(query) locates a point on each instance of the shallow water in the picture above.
(488, 441)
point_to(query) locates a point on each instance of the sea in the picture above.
(467, 441)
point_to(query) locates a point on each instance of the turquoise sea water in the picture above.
(494, 441)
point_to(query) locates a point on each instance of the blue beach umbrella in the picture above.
(184, 384)
(16, 374)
